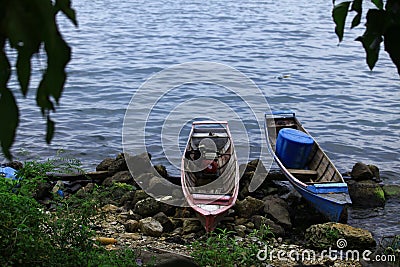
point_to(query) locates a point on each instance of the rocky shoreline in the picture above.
(128, 217)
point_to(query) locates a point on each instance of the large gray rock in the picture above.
(339, 236)
(140, 164)
(151, 227)
(375, 172)
(158, 186)
(240, 230)
(143, 179)
(256, 166)
(84, 191)
(147, 207)
(42, 191)
(131, 226)
(260, 222)
(165, 221)
(366, 194)
(392, 191)
(244, 187)
(127, 199)
(254, 170)
(284, 187)
(277, 209)
(17, 165)
(119, 177)
(167, 259)
(161, 170)
(130, 215)
(118, 165)
(361, 172)
(182, 212)
(248, 207)
(191, 226)
(140, 195)
(109, 208)
(105, 164)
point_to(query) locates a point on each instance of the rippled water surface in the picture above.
(352, 112)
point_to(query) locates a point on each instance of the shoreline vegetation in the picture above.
(104, 218)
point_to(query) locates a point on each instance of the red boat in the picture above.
(210, 171)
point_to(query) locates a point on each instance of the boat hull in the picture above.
(334, 211)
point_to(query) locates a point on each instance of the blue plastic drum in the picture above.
(293, 148)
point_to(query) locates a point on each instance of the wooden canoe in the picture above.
(210, 171)
(319, 182)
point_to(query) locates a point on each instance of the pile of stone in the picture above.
(138, 220)
(367, 189)
(133, 218)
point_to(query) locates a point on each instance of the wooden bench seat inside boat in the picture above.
(329, 182)
(283, 123)
(209, 135)
(303, 172)
(220, 199)
(304, 175)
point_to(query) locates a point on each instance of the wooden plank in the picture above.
(323, 170)
(209, 122)
(221, 197)
(207, 134)
(212, 199)
(302, 172)
(316, 159)
(315, 183)
(211, 202)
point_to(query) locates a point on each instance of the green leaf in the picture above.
(53, 80)
(356, 20)
(357, 7)
(5, 67)
(371, 42)
(372, 37)
(378, 3)
(339, 15)
(42, 97)
(392, 44)
(24, 70)
(58, 54)
(65, 7)
(9, 115)
(50, 129)
(376, 21)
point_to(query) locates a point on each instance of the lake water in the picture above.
(351, 111)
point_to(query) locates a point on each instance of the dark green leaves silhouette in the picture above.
(382, 25)
(29, 26)
(339, 17)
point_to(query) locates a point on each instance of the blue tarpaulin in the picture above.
(8, 172)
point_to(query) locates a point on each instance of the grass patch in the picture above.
(221, 248)
(33, 236)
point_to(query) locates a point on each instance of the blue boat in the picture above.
(306, 165)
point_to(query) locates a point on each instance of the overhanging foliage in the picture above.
(29, 26)
(382, 25)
